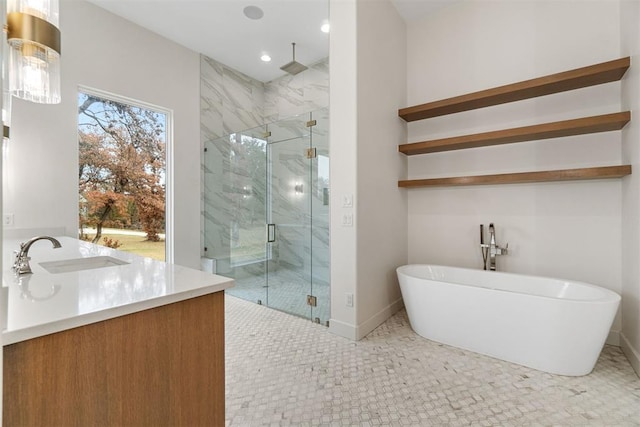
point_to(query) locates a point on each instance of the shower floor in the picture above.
(287, 291)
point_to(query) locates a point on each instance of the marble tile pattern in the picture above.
(229, 102)
(299, 262)
(217, 214)
(304, 239)
(286, 371)
(320, 184)
(234, 105)
(212, 98)
(290, 95)
(289, 209)
(232, 102)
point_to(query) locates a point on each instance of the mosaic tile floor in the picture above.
(287, 371)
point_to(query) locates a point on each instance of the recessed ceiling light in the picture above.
(253, 12)
(325, 27)
(265, 58)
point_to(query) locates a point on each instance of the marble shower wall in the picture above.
(229, 100)
(232, 102)
(293, 95)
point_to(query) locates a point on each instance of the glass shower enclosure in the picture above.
(266, 213)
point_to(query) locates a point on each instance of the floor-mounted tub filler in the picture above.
(552, 325)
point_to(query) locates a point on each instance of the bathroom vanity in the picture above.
(89, 341)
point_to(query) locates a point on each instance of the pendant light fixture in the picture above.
(6, 94)
(34, 50)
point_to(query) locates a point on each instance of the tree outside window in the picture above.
(122, 170)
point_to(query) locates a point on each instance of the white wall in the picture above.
(368, 58)
(568, 230)
(630, 43)
(343, 145)
(105, 52)
(382, 207)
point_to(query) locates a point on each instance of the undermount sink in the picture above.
(78, 264)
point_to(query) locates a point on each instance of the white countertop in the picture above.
(42, 303)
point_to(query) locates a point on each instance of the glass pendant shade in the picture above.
(6, 102)
(6, 94)
(34, 50)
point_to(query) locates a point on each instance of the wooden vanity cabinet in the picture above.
(158, 367)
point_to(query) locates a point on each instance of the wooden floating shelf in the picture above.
(581, 77)
(604, 123)
(523, 177)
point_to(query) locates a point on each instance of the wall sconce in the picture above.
(246, 191)
(34, 50)
(298, 188)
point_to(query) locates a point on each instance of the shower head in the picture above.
(293, 67)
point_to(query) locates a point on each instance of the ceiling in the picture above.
(219, 29)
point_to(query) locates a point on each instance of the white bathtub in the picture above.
(547, 324)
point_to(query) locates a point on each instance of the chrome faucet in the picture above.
(21, 263)
(490, 251)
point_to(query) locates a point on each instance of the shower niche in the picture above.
(266, 213)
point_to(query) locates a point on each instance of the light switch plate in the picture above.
(347, 220)
(347, 201)
(349, 299)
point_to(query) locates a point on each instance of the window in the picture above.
(122, 173)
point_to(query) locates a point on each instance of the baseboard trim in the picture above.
(613, 338)
(377, 319)
(631, 353)
(356, 333)
(342, 329)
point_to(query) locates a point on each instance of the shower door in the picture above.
(289, 217)
(298, 216)
(319, 208)
(266, 213)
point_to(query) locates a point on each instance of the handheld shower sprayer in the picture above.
(492, 249)
(483, 248)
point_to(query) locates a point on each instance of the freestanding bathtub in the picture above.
(552, 325)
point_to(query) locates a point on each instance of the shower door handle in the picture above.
(271, 233)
